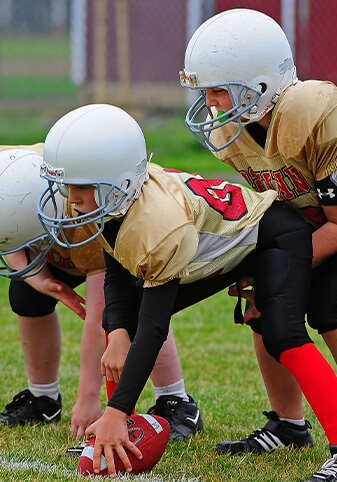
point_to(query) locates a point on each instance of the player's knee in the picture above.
(274, 334)
(255, 325)
(322, 310)
(322, 324)
(25, 301)
(279, 345)
(31, 311)
(281, 328)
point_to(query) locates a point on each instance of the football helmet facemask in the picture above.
(100, 145)
(245, 52)
(20, 228)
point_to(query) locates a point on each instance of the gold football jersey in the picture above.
(300, 147)
(83, 260)
(185, 226)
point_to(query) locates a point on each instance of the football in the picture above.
(149, 432)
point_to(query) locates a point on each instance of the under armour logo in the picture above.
(330, 193)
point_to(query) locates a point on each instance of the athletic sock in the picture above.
(50, 390)
(110, 388)
(299, 422)
(318, 383)
(177, 389)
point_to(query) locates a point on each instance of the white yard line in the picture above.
(12, 464)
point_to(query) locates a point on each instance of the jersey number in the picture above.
(225, 198)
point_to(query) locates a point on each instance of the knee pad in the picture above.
(277, 333)
(255, 325)
(26, 301)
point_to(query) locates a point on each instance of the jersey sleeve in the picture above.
(168, 259)
(158, 237)
(324, 161)
(305, 126)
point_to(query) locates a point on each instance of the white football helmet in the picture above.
(245, 52)
(20, 188)
(98, 145)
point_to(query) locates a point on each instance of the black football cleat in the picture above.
(25, 408)
(184, 417)
(273, 435)
(76, 450)
(328, 471)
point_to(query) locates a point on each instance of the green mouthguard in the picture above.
(220, 112)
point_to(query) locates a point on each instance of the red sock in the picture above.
(110, 386)
(318, 383)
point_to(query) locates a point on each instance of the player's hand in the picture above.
(113, 359)
(111, 434)
(85, 412)
(247, 294)
(63, 293)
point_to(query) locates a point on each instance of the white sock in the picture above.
(299, 422)
(177, 389)
(50, 390)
